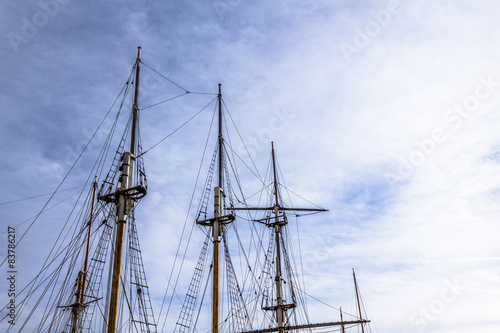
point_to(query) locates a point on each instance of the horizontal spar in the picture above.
(282, 209)
(298, 327)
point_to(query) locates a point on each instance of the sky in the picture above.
(383, 112)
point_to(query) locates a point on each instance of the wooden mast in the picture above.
(357, 298)
(217, 225)
(123, 205)
(278, 224)
(280, 309)
(342, 320)
(82, 275)
(85, 266)
(218, 221)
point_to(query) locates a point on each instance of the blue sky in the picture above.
(384, 112)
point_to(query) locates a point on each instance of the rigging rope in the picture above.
(183, 230)
(179, 86)
(165, 101)
(172, 133)
(163, 76)
(46, 210)
(241, 139)
(32, 285)
(69, 171)
(37, 196)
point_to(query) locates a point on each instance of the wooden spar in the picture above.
(76, 308)
(275, 179)
(85, 265)
(82, 275)
(123, 205)
(215, 291)
(221, 143)
(280, 309)
(342, 320)
(217, 225)
(283, 209)
(308, 326)
(135, 106)
(357, 298)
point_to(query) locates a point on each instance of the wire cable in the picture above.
(177, 129)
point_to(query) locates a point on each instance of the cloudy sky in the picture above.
(384, 112)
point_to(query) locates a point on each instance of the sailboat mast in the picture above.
(78, 306)
(342, 320)
(123, 206)
(357, 298)
(280, 310)
(85, 265)
(279, 222)
(276, 196)
(220, 170)
(135, 107)
(217, 225)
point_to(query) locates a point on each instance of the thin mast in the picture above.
(135, 107)
(276, 196)
(357, 298)
(217, 225)
(219, 97)
(85, 266)
(342, 320)
(82, 275)
(123, 205)
(280, 309)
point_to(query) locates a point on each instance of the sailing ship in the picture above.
(100, 284)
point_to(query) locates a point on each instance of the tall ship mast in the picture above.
(246, 278)
(219, 220)
(93, 279)
(267, 296)
(124, 199)
(277, 221)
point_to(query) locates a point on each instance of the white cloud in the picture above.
(343, 126)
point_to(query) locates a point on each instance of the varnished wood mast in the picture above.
(123, 205)
(217, 222)
(79, 305)
(217, 225)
